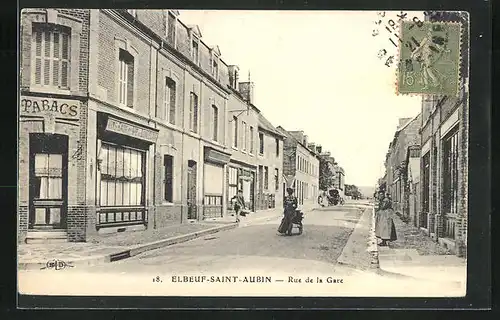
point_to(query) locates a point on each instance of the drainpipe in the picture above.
(154, 145)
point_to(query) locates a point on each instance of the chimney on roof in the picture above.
(403, 121)
(312, 146)
(247, 89)
(319, 149)
(305, 140)
(234, 76)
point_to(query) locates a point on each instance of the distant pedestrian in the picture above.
(384, 225)
(239, 205)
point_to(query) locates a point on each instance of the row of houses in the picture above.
(426, 165)
(128, 119)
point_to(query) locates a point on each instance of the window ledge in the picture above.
(234, 148)
(193, 134)
(167, 204)
(43, 89)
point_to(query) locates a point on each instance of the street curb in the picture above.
(372, 243)
(127, 253)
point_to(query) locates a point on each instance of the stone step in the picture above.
(46, 236)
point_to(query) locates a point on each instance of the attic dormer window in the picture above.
(171, 29)
(215, 68)
(194, 50)
(132, 12)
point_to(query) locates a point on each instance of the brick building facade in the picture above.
(396, 166)
(436, 192)
(53, 124)
(124, 123)
(444, 153)
(270, 190)
(300, 167)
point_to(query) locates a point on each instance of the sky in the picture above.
(318, 71)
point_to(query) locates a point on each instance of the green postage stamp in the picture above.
(429, 58)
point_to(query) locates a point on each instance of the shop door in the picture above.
(252, 192)
(48, 181)
(191, 190)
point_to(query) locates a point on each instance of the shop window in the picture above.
(261, 143)
(193, 113)
(266, 178)
(169, 177)
(450, 172)
(51, 56)
(276, 179)
(235, 132)
(169, 100)
(126, 78)
(122, 180)
(215, 123)
(251, 141)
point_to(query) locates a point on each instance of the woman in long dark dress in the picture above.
(384, 225)
(290, 204)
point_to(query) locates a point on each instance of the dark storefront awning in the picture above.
(216, 156)
(111, 125)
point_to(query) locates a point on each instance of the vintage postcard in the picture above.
(243, 153)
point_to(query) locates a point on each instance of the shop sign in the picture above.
(58, 108)
(215, 156)
(121, 127)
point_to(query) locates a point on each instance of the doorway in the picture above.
(191, 191)
(48, 181)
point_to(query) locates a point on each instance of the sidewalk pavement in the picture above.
(416, 255)
(358, 251)
(114, 246)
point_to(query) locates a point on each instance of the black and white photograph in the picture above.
(233, 153)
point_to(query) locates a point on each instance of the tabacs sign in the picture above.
(59, 108)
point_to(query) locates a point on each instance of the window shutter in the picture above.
(55, 62)
(65, 61)
(173, 94)
(130, 84)
(166, 100)
(195, 114)
(38, 57)
(46, 59)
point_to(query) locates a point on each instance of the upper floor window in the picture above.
(194, 50)
(215, 122)
(126, 78)
(193, 112)
(251, 140)
(235, 132)
(261, 143)
(277, 147)
(215, 68)
(169, 100)
(244, 134)
(51, 55)
(171, 29)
